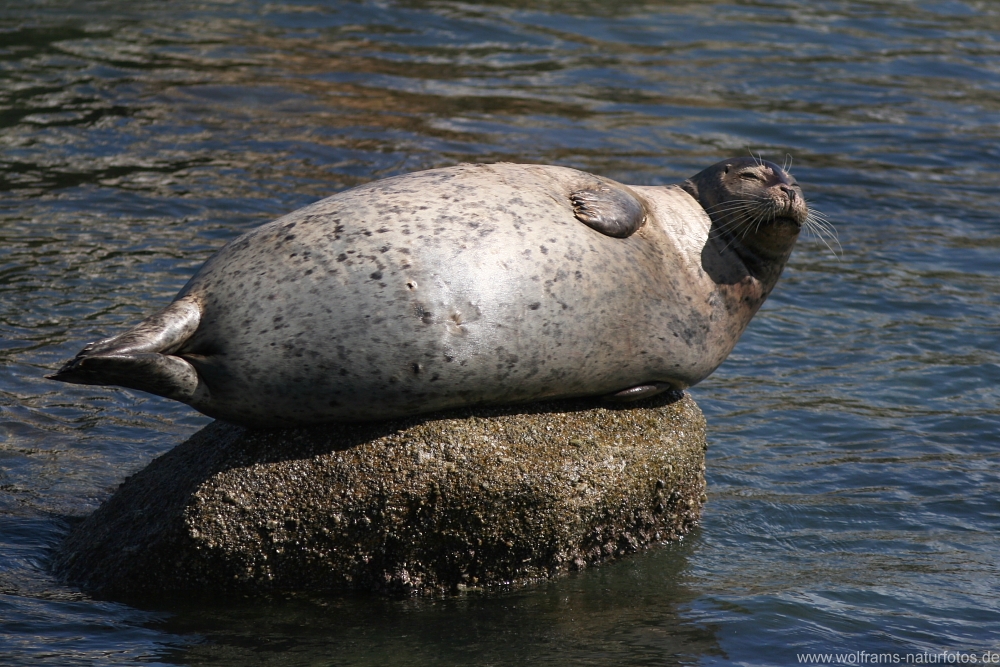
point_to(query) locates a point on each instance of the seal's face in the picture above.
(752, 203)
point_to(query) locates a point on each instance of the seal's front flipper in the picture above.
(639, 391)
(609, 209)
(140, 358)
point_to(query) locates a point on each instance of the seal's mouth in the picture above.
(792, 211)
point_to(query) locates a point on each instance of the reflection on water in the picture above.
(852, 463)
(579, 620)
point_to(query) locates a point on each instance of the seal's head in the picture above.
(756, 207)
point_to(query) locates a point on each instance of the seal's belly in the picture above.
(384, 301)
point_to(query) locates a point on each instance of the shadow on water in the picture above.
(621, 614)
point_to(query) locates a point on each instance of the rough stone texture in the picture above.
(471, 498)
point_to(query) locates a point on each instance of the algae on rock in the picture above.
(470, 498)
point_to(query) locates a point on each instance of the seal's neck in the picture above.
(763, 261)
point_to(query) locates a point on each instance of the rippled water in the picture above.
(854, 479)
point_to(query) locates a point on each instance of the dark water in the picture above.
(854, 477)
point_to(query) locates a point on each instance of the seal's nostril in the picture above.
(788, 191)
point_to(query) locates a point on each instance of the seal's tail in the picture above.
(141, 357)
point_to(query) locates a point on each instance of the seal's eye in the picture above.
(751, 176)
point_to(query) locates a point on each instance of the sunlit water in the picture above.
(854, 480)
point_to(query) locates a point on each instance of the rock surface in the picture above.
(471, 498)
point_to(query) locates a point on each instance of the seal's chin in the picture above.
(790, 221)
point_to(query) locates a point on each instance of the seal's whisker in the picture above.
(723, 233)
(730, 204)
(735, 212)
(822, 231)
(733, 203)
(726, 224)
(732, 221)
(759, 219)
(765, 216)
(816, 215)
(729, 207)
(736, 207)
(817, 225)
(745, 217)
(731, 242)
(742, 226)
(820, 221)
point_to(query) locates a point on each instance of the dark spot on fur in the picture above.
(425, 315)
(376, 276)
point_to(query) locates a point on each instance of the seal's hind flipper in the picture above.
(160, 374)
(609, 208)
(140, 358)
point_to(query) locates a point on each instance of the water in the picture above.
(854, 479)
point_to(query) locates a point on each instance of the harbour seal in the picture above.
(467, 285)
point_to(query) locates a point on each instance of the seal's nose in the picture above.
(789, 191)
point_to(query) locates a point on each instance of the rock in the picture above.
(470, 498)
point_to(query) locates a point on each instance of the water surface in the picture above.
(854, 482)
